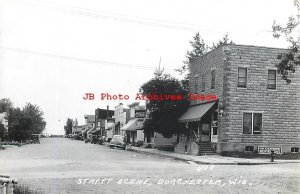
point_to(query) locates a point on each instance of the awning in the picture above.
(195, 113)
(110, 126)
(91, 130)
(84, 130)
(130, 125)
(139, 125)
(95, 131)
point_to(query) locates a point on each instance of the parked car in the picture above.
(87, 140)
(118, 141)
(95, 139)
(35, 138)
(79, 137)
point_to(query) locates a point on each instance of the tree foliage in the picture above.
(225, 40)
(24, 122)
(199, 48)
(68, 126)
(5, 105)
(291, 58)
(164, 113)
(35, 115)
(2, 132)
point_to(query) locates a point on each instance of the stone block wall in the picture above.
(280, 108)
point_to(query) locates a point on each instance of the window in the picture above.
(252, 123)
(247, 123)
(213, 77)
(203, 83)
(272, 79)
(196, 84)
(294, 149)
(242, 77)
(257, 123)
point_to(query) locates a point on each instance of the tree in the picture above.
(16, 131)
(291, 58)
(24, 122)
(222, 42)
(199, 48)
(164, 113)
(68, 126)
(5, 105)
(2, 132)
(35, 117)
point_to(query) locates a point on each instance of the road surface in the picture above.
(59, 166)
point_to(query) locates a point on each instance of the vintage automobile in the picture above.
(118, 141)
(35, 138)
(95, 139)
(79, 137)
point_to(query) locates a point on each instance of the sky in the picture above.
(52, 52)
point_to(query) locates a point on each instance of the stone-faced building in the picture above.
(252, 108)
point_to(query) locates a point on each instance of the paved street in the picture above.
(67, 166)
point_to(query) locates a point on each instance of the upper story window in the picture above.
(272, 79)
(203, 83)
(213, 78)
(242, 77)
(252, 123)
(196, 84)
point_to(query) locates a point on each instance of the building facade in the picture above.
(101, 116)
(121, 116)
(252, 109)
(134, 128)
(89, 125)
(4, 121)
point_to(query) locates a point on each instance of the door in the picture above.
(214, 127)
(205, 133)
(214, 134)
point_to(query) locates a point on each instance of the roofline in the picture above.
(213, 50)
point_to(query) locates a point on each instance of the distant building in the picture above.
(100, 116)
(109, 128)
(255, 110)
(121, 116)
(4, 121)
(134, 128)
(89, 125)
(77, 129)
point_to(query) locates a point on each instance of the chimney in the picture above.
(107, 111)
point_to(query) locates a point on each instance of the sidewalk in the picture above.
(211, 159)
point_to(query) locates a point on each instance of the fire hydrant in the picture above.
(272, 155)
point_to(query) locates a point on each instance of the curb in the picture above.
(212, 163)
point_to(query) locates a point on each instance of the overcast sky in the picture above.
(52, 52)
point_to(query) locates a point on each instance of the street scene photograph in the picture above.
(155, 97)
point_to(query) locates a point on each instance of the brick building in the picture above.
(255, 109)
(101, 115)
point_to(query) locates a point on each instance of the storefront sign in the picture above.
(267, 150)
(140, 114)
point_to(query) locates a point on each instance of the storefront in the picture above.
(201, 130)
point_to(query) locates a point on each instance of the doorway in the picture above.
(205, 133)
